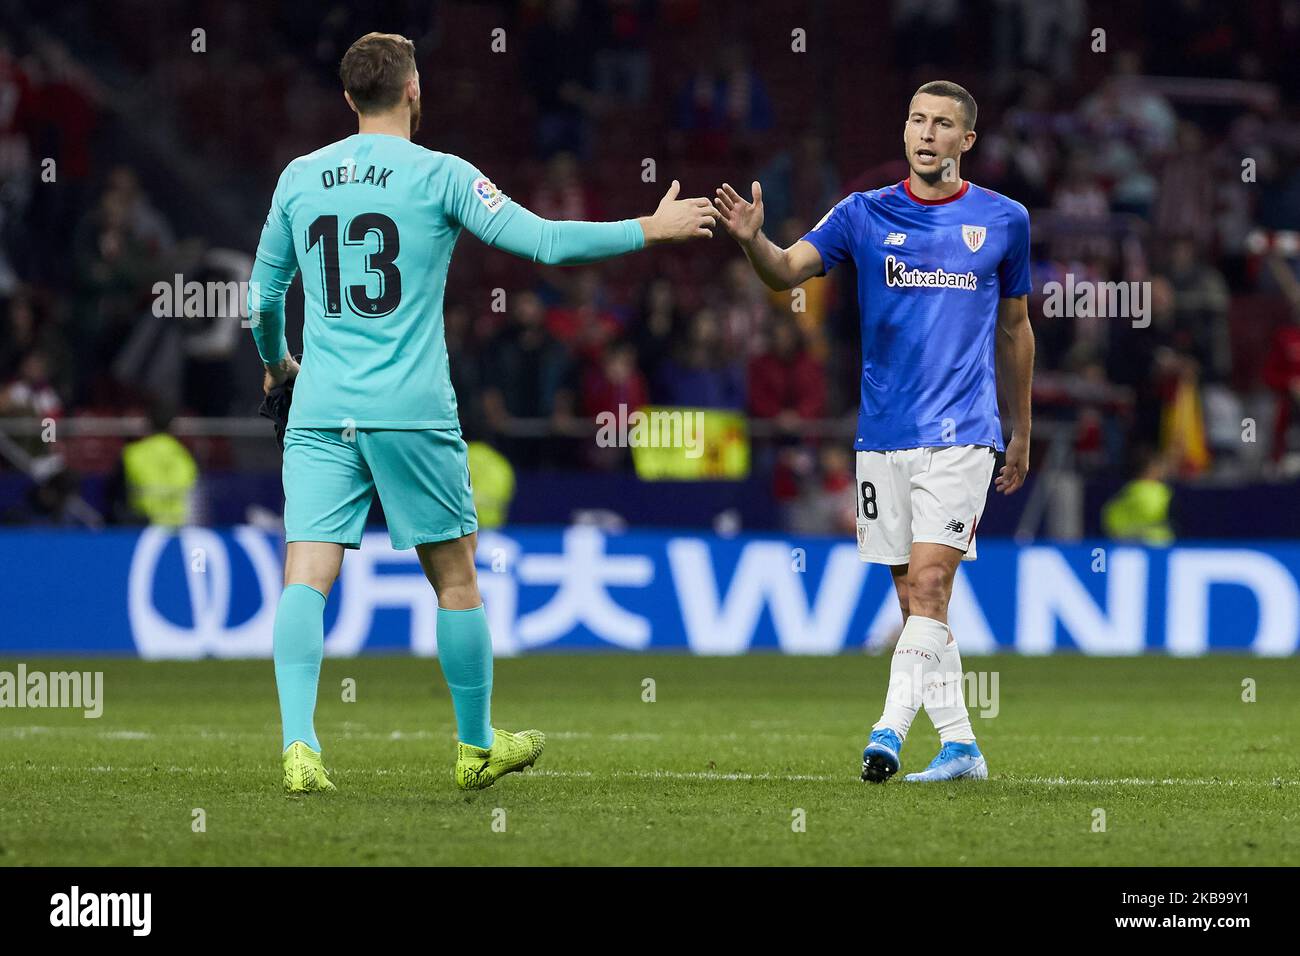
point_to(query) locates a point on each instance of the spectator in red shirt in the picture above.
(614, 381)
(825, 503)
(1282, 370)
(1282, 375)
(563, 194)
(786, 383)
(585, 323)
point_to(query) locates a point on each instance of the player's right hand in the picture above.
(678, 219)
(279, 373)
(741, 219)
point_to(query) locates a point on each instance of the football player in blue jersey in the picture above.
(943, 280)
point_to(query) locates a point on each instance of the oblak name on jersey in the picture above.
(897, 274)
(345, 175)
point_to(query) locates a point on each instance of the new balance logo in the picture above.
(955, 526)
(895, 238)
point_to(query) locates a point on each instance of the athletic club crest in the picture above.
(974, 236)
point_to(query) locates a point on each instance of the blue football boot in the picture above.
(954, 762)
(880, 760)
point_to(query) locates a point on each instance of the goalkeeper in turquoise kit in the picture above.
(371, 222)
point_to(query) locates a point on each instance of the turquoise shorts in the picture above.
(422, 477)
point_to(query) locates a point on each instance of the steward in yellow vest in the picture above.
(493, 481)
(159, 474)
(1140, 510)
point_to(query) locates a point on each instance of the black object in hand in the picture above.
(275, 406)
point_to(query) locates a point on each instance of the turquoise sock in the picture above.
(465, 653)
(299, 646)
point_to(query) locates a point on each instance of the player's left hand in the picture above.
(1016, 467)
(279, 373)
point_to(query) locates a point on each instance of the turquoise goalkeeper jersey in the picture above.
(371, 222)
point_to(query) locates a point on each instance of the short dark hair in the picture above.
(953, 92)
(375, 69)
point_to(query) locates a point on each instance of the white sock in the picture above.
(917, 655)
(945, 698)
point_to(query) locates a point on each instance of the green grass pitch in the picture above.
(711, 772)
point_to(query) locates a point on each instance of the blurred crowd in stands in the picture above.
(1169, 156)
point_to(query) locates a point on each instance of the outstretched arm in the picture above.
(567, 242)
(1014, 357)
(780, 269)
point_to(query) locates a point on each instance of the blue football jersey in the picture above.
(930, 277)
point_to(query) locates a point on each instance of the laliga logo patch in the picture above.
(974, 236)
(488, 194)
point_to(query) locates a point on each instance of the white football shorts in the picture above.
(920, 494)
